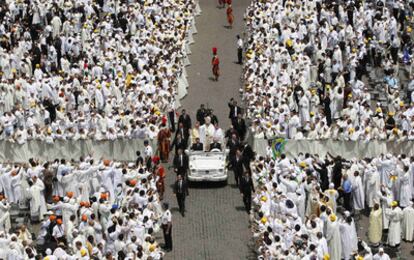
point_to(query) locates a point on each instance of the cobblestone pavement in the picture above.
(215, 225)
(212, 32)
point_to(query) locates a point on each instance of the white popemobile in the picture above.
(207, 166)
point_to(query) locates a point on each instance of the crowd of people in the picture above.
(309, 207)
(91, 69)
(87, 209)
(311, 69)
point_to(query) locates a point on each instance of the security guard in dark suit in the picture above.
(197, 146)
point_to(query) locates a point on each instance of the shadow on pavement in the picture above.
(240, 208)
(175, 209)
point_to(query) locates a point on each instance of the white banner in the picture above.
(119, 150)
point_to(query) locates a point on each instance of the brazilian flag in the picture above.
(278, 147)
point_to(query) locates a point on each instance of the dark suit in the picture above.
(240, 126)
(197, 147)
(233, 145)
(181, 191)
(179, 144)
(201, 114)
(184, 133)
(181, 164)
(247, 156)
(215, 145)
(214, 119)
(234, 111)
(230, 132)
(171, 117)
(237, 165)
(246, 188)
(186, 120)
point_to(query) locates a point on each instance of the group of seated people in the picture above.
(197, 146)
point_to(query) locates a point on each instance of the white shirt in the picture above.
(240, 43)
(58, 231)
(148, 151)
(166, 217)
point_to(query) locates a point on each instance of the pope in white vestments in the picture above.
(206, 134)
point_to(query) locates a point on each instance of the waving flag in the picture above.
(278, 147)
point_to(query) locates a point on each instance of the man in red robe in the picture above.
(159, 172)
(230, 16)
(215, 63)
(164, 141)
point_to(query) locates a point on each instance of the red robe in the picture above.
(230, 16)
(160, 173)
(164, 143)
(215, 62)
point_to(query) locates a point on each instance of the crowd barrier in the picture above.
(119, 150)
(347, 149)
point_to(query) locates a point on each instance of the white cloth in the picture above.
(333, 236)
(348, 240)
(358, 195)
(37, 200)
(394, 232)
(408, 223)
(375, 226)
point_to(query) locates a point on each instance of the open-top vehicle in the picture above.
(207, 166)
